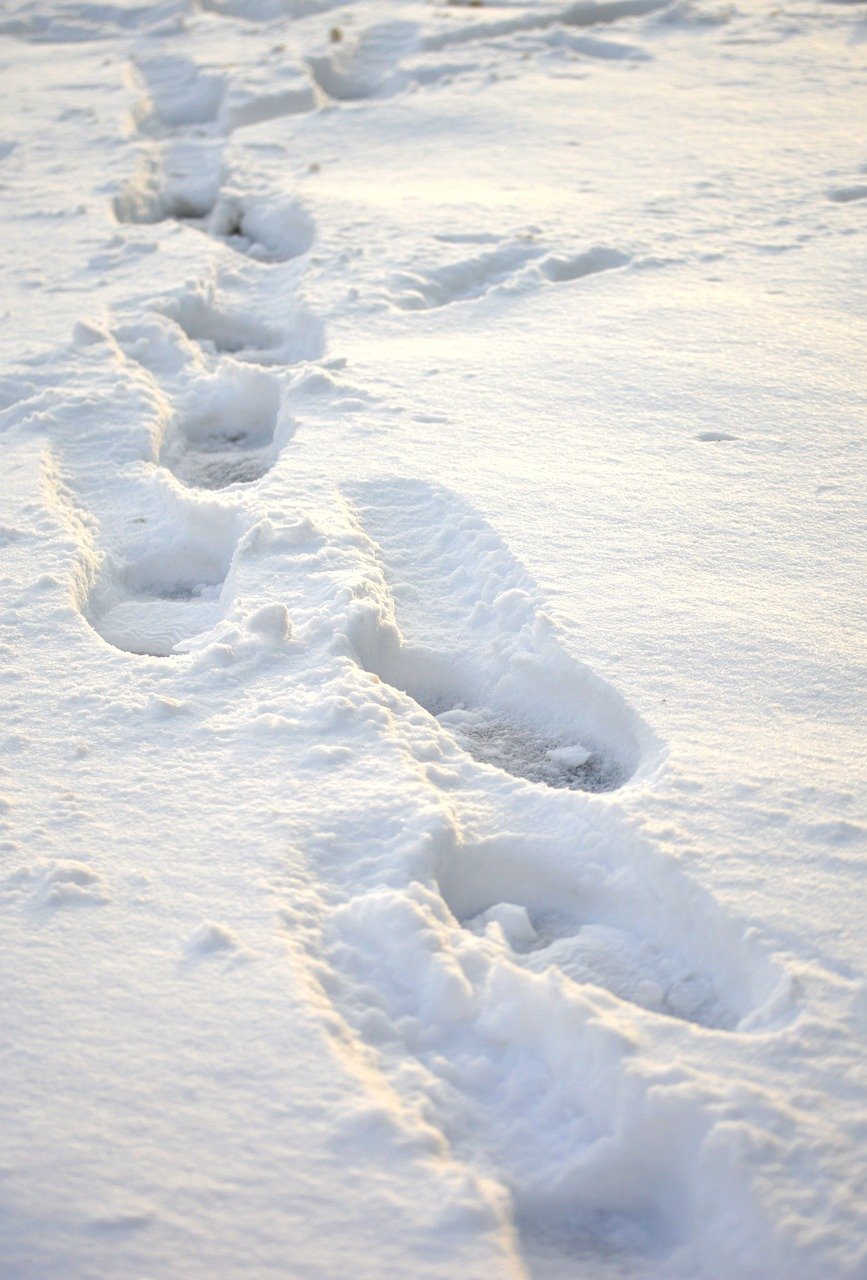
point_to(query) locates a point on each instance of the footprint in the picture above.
(185, 182)
(463, 635)
(180, 179)
(659, 942)
(516, 266)
(560, 269)
(241, 311)
(593, 47)
(267, 228)
(225, 432)
(468, 278)
(527, 753)
(528, 1070)
(151, 603)
(252, 98)
(267, 10)
(220, 330)
(582, 13)
(65, 884)
(177, 94)
(210, 939)
(365, 66)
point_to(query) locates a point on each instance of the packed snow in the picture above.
(432, 769)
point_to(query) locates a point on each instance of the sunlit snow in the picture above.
(432, 539)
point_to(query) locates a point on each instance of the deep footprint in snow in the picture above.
(665, 947)
(626, 965)
(222, 459)
(367, 65)
(470, 644)
(269, 229)
(151, 605)
(526, 753)
(218, 330)
(179, 179)
(226, 433)
(177, 93)
(214, 321)
(180, 94)
(152, 618)
(185, 182)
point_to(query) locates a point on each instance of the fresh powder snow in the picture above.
(432, 550)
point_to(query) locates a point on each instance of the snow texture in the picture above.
(432, 823)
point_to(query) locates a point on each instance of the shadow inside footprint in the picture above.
(219, 328)
(274, 229)
(553, 751)
(222, 461)
(226, 433)
(526, 753)
(154, 620)
(181, 180)
(150, 605)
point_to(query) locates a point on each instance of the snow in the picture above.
(432, 771)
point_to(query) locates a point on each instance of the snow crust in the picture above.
(432, 531)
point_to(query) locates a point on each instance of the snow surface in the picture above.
(432, 772)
